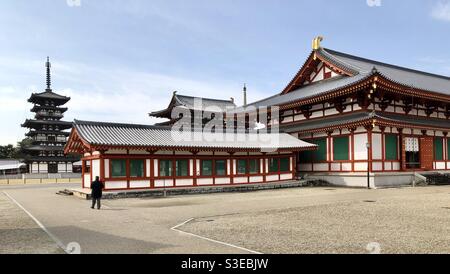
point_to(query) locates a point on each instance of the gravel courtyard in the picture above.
(297, 220)
(19, 234)
(413, 223)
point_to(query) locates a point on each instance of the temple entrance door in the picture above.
(426, 153)
(412, 153)
(52, 168)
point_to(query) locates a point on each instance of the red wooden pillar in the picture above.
(383, 148)
(329, 133)
(352, 146)
(264, 171)
(402, 151)
(194, 167)
(446, 149)
(369, 156)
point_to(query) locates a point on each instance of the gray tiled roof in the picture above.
(112, 134)
(415, 120)
(189, 102)
(326, 122)
(361, 69)
(349, 118)
(405, 76)
(311, 90)
(48, 94)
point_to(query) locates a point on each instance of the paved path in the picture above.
(144, 225)
(19, 234)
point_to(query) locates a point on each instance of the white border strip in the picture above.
(57, 241)
(175, 228)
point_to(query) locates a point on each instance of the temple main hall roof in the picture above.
(357, 70)
(361, 118)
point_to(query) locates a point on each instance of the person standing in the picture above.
(97, 192)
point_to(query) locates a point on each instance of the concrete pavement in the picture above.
(144, 225)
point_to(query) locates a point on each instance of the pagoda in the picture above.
(47, 132)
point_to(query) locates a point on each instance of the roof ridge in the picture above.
(330, 51)
(113, 124)
(211, 99)
(356, 69)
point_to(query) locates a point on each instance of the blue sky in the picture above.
(120, 59)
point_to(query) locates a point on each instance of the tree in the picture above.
(19, 151)
(7, 152)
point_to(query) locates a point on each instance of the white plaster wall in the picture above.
(87, 180)
(34, 168)
(256, 179)
(321, 167)
(396, 166)
(204, 181)
(335, 166)
(222, 181)
(346, 167)
(286, 176)
(62, 168)
(184, 182)
(95, 168)
(155, 168)
(271, 178)
(139, 184)
(388, 166)
(439, 165)
(360, 166)
(377, 166)
(106, 168)
(116, 184)
(240, 180)
(360, 147)
(147, 167)
(43, 168)
(163, 183)
(377, 152)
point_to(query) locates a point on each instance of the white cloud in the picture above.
(103, 94)
(441, 11)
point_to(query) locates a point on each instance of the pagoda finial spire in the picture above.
(49, 79)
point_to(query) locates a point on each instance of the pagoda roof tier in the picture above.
(39, 123)
(46, 132)
(47, 115)
(37, 108)
(189, 102)
(48, 95)
(45, 148)
(364, 118)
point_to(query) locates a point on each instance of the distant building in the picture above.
(47, 130)
(12, 167)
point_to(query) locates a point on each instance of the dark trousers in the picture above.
(98, 201)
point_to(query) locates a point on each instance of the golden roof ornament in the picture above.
(316, 42)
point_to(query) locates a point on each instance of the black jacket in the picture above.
(97, 189)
